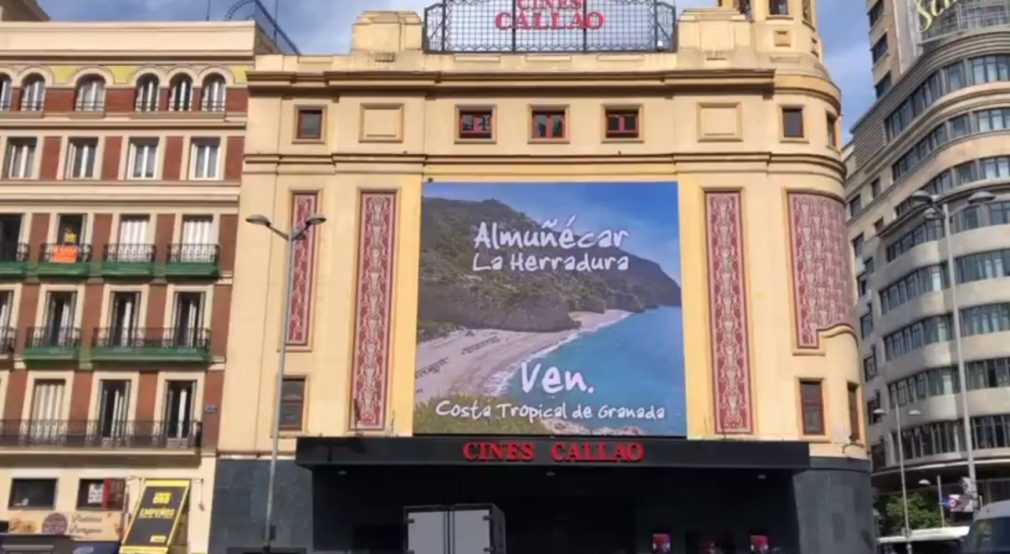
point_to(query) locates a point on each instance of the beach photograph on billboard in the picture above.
(550, 308)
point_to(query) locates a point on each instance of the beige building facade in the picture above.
(939, 133)
(735, 110)
(121, 147)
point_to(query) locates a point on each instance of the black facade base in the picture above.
(824, 508)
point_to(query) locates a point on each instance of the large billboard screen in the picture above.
(550, 308)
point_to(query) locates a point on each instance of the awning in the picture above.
(155, 523)
(96, 547)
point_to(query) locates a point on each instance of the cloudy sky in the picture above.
(323, 26)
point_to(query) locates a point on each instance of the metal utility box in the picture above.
(456, 529)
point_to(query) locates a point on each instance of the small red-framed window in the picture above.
(475, 124)
(549, 124)
(622, 123)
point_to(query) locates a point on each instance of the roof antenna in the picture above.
(209, 2)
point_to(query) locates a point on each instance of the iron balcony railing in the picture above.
(63, 337)
(13, 252)
(28, 105)
(66, 253)
(193, 253)
(89, 106)
(129, 253)
(7, 337)
(152, 337)
(213, 106)
(107, 433)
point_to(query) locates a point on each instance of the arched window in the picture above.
(213, 94)
(90, 94)
(33, 93)
(5, 93)
(147, 94)
(180, 95)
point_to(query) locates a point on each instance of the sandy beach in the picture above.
(474, 361)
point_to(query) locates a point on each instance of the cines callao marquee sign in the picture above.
(931, 10)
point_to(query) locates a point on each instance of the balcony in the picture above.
(193, 261)
(52, 344)
(7, 338)
(13, 259)
(169, 435)
(175, 344)
(65, 260)
(128, 260)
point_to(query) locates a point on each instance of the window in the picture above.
(875, 12)
(147, 94)
(33, 93)
(132, 242)
(875, 188)
(90, 96)
(33, 493)
(188, 320)
(917, 335)
(854, 433)
(549, 124)
(622, 123)
(475, 124)
(879, 49)
(81, 158)
(878, 225)
(20, 158)
(197, 240)
(865, 325)
(985, 319)
(310, 124)
(70, 229)
(808, 15)
(113, 403)
(883, 85)
(870, 365)
(178, 418)
(59, 320)
(101, 494)
(46, 415)
(180, 94)
(6, 329)
(812, 407)
(778, 7)
(5, 93)
(855, 206)
(921, 281)
(213, 94)
(857, 245)
(143, 158)
(123, 318)
(832, 121)
(792, 122)
(292, 403)
(205, 158)
(984, 265)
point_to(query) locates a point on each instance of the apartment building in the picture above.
(936, 140)
(121, 149)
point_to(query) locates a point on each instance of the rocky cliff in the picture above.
(452, 292)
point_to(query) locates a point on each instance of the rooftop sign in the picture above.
(521, 26)
(930, 10)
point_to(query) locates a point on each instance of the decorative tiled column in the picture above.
(370, 370)
(304, 204)
(728, 313)
(822, 276)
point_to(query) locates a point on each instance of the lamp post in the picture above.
(296, 233)
(901, 472)
(939, 496)
(933, 201)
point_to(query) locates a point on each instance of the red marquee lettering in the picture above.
(503, 20)
(471, 451)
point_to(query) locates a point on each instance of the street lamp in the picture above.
(939, 496)
(901, 472)
(296, 233)
(933, 201)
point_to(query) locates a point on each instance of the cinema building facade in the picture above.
(589, 279)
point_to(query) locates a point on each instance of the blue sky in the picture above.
(324, 26)
(649, 212)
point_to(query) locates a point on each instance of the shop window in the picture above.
(475, 123)
(854, 433)
(309, 124)
(792, 123)
(622, 123)
(101, 494)
(32, 493)
(292, 403)
(549, 124)
(812, 407)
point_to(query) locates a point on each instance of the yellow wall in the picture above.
(681, 141)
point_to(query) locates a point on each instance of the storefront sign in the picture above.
(162, 504)
(931, 10)
(550, 309)
(93, 525)
(550, 14)
(560, 452)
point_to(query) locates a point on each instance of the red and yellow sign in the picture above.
(65, 254)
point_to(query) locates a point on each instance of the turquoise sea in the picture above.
(637, 362)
